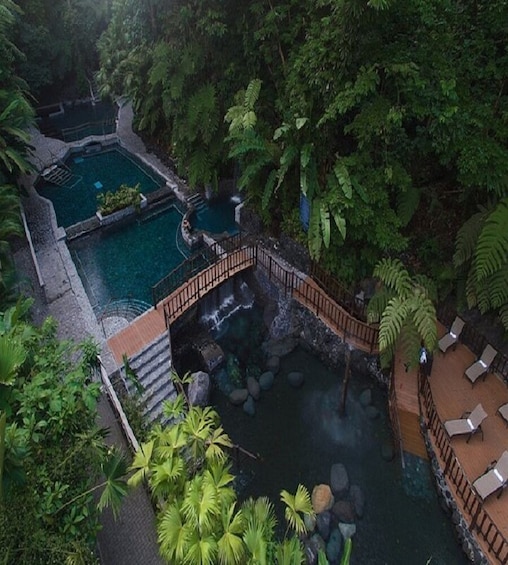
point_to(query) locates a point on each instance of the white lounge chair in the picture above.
(503, 412)
(469, 424)
(452, 336)
(480, 367)
(494, 479)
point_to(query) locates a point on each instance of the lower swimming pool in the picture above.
(125, 260)
(95, 170)
(216, 216)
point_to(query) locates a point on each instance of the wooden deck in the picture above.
(453, 395)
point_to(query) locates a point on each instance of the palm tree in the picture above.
(405, 309)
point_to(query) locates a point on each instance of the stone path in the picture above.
(131, 539)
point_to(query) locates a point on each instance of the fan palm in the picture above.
(297, 504)
(290, 552)
(230, 544)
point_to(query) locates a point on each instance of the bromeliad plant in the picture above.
(200, 520)
(125, 196)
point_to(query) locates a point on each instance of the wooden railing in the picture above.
(178, 297)
(479, 519)
(342, 295)
(192, 266)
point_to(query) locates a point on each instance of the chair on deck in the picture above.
(503, 412)
(452, 336)
(469, 424)
(494, 479)
(480, 367)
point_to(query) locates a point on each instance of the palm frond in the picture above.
(392, 320)
(141, 463)
(467, 237)
(492, 248)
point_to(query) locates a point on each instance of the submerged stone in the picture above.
(273, 364)
(238, 396)
(249, 406)
(339, 479)
(366, 397)
(266, 380)
(323, 521)
(253, 388)
(334, 546)
(295, 379)
(357, 500)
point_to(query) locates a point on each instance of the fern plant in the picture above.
(481, 253)
(404, 307)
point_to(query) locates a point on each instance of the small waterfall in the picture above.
(219, 305)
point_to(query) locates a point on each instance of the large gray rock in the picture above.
(253, 388)
(295, 379)
(266, 380)
(323, 521)
(238, 396)
(334, 546)
(249, 406)
(199, 389)
(357, 500)
(339, 480)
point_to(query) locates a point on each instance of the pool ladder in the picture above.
(56, 174)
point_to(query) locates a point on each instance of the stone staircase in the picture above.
(57, 174)
(196, 200)
(152, 368)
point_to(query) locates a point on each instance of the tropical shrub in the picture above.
(124, 197)
(52, 454)
(200, 520)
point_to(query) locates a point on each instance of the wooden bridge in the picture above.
(223, 262)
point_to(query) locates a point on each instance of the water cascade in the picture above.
(219, 305)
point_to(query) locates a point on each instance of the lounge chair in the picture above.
(494, 479)
(480, 367)
(503, 412)
(452, 336)
(469, 424)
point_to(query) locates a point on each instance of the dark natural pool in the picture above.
(299, 435)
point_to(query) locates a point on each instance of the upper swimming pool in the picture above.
(93, 172)
(72, 122)
(216, 216)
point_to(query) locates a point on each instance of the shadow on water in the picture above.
(299, 436)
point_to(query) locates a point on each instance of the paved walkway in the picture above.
(131, 539)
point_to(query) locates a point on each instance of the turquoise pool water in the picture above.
(77, 200)
(299, 435)
(218, 216)
(124, 261)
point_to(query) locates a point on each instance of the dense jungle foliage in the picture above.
(387, 118)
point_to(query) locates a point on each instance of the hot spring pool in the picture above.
(124, 261)
(95, 172)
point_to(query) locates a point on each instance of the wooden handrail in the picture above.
(228, 258)
(479, 519)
